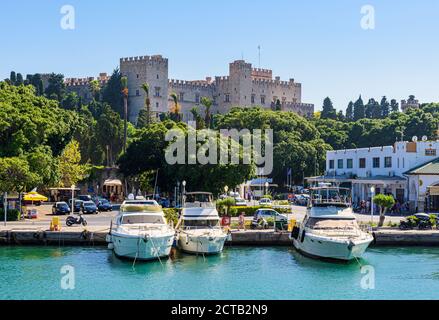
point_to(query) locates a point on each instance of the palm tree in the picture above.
(208, 104)
(145, 88)
(176, 109)
(95, 89)
(124, 85)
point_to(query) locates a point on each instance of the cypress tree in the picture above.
(350, 111)
(328, 111)
(385, 107)
(13, 77)
(359, 111)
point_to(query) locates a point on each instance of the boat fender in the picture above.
(110, 246)
(303, 236)
(146, 238)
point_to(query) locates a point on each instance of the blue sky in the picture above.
(319, 43)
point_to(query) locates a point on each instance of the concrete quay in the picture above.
(96, 237)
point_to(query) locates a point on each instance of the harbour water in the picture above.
(238, 273)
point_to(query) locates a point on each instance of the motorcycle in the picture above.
(70, 221)
(259, 224)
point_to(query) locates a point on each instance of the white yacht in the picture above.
(329, 229)
(199, 230)
(141, 232)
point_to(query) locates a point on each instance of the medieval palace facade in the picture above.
(245, 86)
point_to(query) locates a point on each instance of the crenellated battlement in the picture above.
(71, 82)
(259, 73)
(185, 84)
(153, 59)
(271, 83)
(304, 109)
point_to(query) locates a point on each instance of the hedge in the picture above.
(250, 210)
(13, 215)
(171, 214)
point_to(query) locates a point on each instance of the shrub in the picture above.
(171, 215)
(13, 215)
(268, 196)
(433, 219)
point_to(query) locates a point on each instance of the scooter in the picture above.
(259, 224)
(71, 220)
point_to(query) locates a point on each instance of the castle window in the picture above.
(137, 93)
(387, 162)
(157, 92)
(181, 96)
(157, 105)
(376, 162)
(331, 164)
(227, 98)
(137, 76)
(157, 76)
(262, 99)
(253, 98)
(362, 164)
(197, 98)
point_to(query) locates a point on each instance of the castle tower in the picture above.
(146, 69)
(240, 83)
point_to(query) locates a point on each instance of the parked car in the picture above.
(76, 206)
(301, 199)
(421, 221)
(240, 202)
(89, 207)
(85, 197)
(104, 205)
(60, 208)
(270, 213)
(265, 202)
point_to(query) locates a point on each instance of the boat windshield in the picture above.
(139, 219)
(200, 223)
(333, 196)
(199, 200)
(325, 224)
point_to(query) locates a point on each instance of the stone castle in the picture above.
(244, 86)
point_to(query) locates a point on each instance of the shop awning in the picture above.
(112, 182)
(34, 196)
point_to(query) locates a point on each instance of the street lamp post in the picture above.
(5, 206)
(184, 191)
(372, 190)
(73, 199)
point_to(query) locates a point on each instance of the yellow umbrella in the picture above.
(34, 196)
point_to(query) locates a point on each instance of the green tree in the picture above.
(15, 175)
(328, 111)
(70, 168)
(144, 118)
(56, 87)
(385, 203)
(13, 77)
(394, 106)
(207, 103)
(95, 89)
(278, 106)
(359, 110)
(350, 111)
(111, 93)
(175, 110)
(20, 80)
(124, 86)
(385, 107)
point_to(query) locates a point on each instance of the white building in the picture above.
(407, 170)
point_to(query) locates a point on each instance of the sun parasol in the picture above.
(34, 196)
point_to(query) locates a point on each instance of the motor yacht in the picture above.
(198, 229)
(141, 231)
(329, 229)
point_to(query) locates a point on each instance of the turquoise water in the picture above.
(238, 273)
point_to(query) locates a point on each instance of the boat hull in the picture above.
(142, 248)
(330, 248)
(201, 244)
